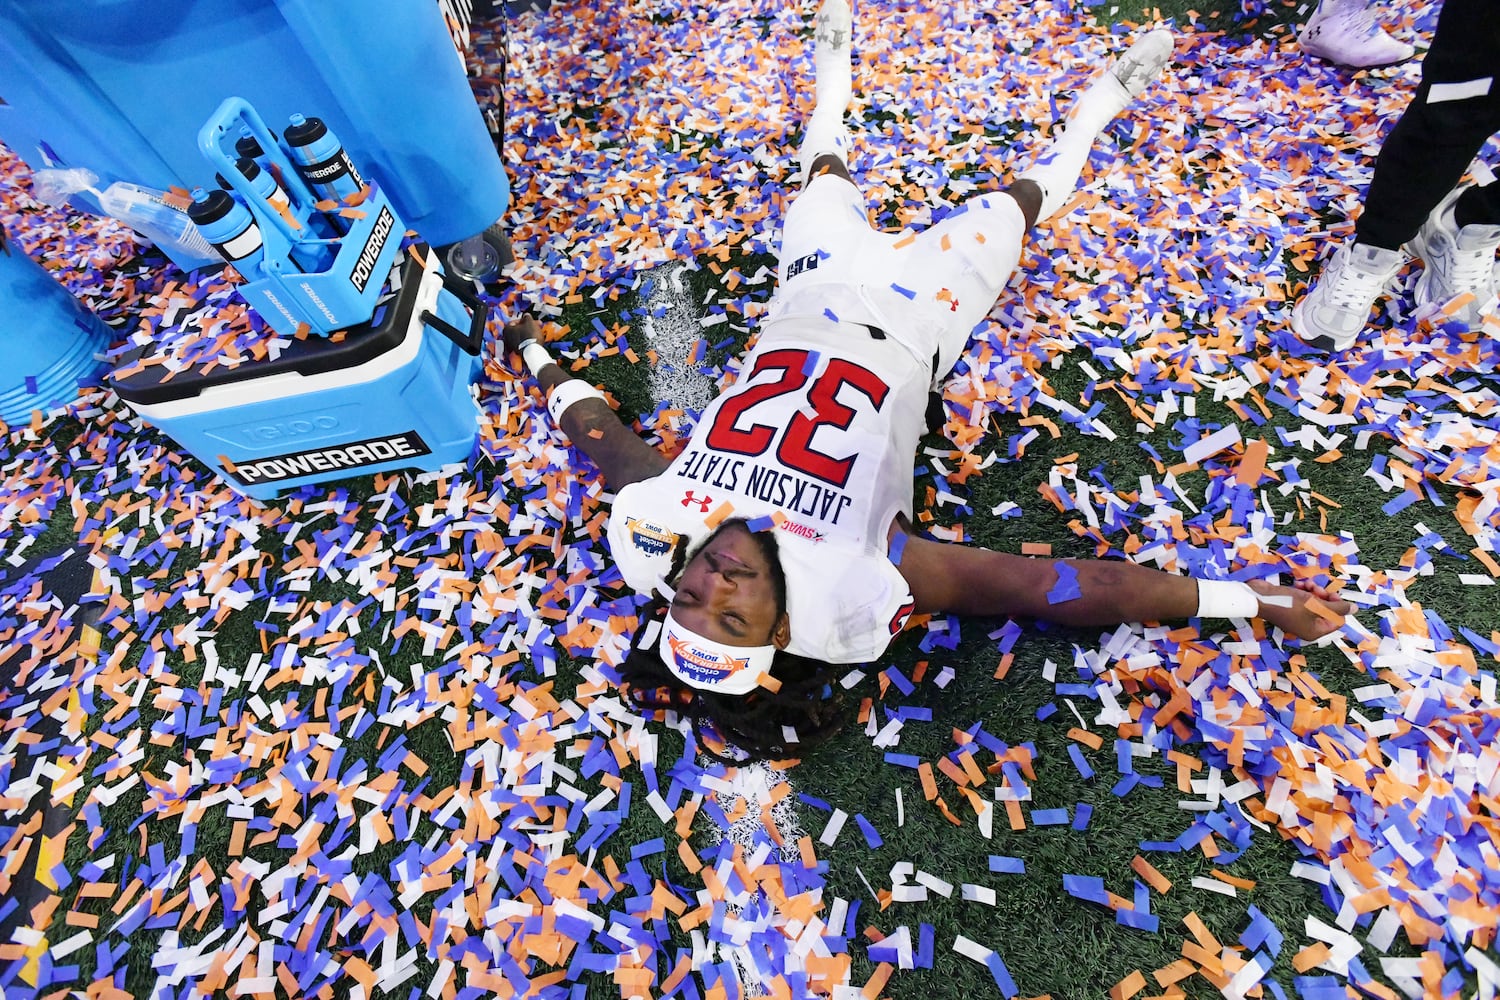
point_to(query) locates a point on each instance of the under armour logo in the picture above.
(826, 32)
(689, 499)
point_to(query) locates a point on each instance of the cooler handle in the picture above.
(479, 313)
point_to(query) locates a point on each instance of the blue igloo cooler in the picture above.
(394, 393)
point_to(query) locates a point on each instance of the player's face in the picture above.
(726, 592)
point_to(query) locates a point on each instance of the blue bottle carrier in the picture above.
(392, 394)
(292, 300)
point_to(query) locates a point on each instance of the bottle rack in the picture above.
(291, 300)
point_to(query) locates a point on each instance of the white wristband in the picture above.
(535, 356)
(1227, 599)
(566, 394)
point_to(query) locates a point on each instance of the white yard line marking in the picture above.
(673, 336)
(755, 783)
(677, 379)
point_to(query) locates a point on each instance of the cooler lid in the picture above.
(386, 330)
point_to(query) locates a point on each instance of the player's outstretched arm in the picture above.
(588, 420)
(963, 579)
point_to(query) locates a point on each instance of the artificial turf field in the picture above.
(282, 772)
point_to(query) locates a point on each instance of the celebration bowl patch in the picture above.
(652, 539)
(700, 666)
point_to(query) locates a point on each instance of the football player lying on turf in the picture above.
(812, 452)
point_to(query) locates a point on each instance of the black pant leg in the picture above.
(1438, 135)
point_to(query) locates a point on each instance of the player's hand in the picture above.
(1300, 619)
(517, 333)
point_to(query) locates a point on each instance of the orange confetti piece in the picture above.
(1152, 877)
(1128, 987)
(1312, 956)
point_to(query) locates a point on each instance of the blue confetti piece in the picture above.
(897, 678)
(1002, 975)
(1082, 815)
(1137, 920)
(872, 836)
(896, 548)
(1049, 817)
(903, 291)
(648, 847)
(1399, 503)
(1087, 888)
(1066, 588)
(1003, 864)
(1262, 932)
(1076, 755)
(925, 940)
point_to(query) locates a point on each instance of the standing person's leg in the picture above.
(958, 267)
(1455, 109)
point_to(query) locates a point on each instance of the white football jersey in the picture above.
(818, 438)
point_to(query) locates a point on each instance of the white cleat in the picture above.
(1141, 64)
(1128, 76)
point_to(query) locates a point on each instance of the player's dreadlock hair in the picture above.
(805, 711)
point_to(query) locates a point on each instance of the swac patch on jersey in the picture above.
(652, 539)
(801, 530)
(701, 666)
(801, 264)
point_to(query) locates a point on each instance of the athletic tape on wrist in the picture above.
(1227, 599)
(535, 356)
(561, 398)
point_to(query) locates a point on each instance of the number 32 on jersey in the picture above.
(733, 430)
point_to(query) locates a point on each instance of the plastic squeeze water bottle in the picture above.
(173, 231)
(231, 229)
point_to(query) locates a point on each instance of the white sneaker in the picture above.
(1454, 260)
(1345, 32)
(1336, 308)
